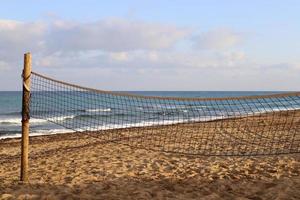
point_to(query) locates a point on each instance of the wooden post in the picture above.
(25, 117)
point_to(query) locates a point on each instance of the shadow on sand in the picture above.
(135, 188)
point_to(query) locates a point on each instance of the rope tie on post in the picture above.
(24, 80)
(26, 90)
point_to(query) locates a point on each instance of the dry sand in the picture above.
(86, 166)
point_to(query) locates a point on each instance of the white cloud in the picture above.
(60, 40)
(145, 59)
(174, 59)
(129, 51)
(3, 65)
(218, 39)
(19, 37)
(119, 56)
(112, 35)
(284, 67)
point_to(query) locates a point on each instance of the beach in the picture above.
(91, 166)
(149, 100)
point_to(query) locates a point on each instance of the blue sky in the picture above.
(154, 45)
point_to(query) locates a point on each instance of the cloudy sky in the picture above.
(154, 45)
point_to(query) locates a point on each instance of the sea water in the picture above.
(10, 112)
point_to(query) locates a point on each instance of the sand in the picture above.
(88, 166)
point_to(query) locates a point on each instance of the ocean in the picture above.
(10, 112)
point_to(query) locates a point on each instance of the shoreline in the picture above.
(278, 131)
(206, 119)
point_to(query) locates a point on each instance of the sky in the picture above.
(154, 45)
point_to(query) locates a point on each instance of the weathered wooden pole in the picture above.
(25, 117)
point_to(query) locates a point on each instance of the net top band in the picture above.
(278, 95)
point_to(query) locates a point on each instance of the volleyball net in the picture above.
(233, 126)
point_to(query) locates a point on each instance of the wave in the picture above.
(51, 111)
(60, 118)
(169, 114)
(11, 113)
(41, 126)
(146, 123)
(108, 126)
(183, 113)
(18, 121)
(98, 110)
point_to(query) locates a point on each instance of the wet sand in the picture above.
(89, 166)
